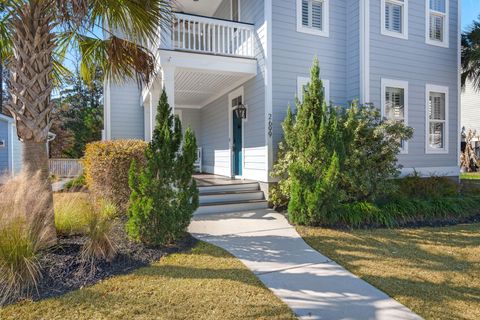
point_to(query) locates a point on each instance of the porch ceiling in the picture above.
(201, 7)
(195, 89)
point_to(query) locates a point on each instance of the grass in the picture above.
(205, 283)
(470, 176)
(71, 212)
(433, 271)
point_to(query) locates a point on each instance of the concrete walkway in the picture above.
(312, 285)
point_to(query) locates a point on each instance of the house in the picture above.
(220, 56)
(10, 147)
(470, 117)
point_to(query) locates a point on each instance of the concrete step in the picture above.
(250, 186)
(231, 196)
(225, 207)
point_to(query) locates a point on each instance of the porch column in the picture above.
(168, 82)
(154, 97)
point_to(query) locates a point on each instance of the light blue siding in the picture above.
(4, 156)
(191, 118)
(353, 50)
(418, 63)
(293, 53)
(224, 10)
(126, 113)
(17, 153)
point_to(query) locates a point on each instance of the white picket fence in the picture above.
(65, 167)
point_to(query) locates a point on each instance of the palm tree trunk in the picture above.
(31, 88)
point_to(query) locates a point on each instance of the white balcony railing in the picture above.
(212, 36)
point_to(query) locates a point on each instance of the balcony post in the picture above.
(168, 82)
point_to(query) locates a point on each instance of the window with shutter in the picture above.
(395, 18)
(312, 16)
(395, 103)
(437, 119)
(437, 22)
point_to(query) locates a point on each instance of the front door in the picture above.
(237, 139)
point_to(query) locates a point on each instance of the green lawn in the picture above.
(470, 176)
(433, 271)
(205, 283)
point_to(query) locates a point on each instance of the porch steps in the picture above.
(231, 198)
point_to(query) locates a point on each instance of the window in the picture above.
(395, 103)
(395, 18)
(437, 22)
(437, 119)
(235, 10)
(313, 17)
(302, 83)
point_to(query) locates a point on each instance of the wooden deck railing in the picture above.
(213, 36)
(65, 167)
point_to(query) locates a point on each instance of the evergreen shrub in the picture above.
(106, 166)
(164, 194)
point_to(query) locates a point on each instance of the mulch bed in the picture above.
(63, 269)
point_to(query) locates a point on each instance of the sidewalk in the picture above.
(314, 286)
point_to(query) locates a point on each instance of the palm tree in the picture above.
(35, 37)
(471, 55)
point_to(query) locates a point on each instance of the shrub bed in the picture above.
(106, 165)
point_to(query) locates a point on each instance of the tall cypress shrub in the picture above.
(315, 145)
(164, 193)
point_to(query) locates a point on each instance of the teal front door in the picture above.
(237, 139)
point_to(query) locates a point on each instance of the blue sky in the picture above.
(470, 12)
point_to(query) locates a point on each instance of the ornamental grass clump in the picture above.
(101, 241)
(71, 211)
(23, 233)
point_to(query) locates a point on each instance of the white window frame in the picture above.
(239, 10)
(303, 81)
(437, 89)
(385, 31)
(400, 84)
(446, 25)
(325, 32)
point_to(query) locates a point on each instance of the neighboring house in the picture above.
(10, 147)
(400, 55)
(470, 115)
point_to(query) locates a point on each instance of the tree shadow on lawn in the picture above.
(427, 269)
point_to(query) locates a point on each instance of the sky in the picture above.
(470, 12)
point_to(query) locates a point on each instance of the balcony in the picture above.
(199, 34)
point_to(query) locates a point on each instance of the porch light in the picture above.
(241, 111)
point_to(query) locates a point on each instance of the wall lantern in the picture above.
(241, 111)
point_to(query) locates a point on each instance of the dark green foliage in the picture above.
(333, 156)
(415, 186)
(164, 193)
(78, 117)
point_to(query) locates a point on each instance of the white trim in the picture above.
(239, 10)
(11, 133)
(446, 25)
(385, 31)
(268, 65)
(325, 32)
(432, 171)
(107, 122)
(437, 89)
(364, 51)
(232, 95)
(303, 81)
(401, 85)
(459, 84)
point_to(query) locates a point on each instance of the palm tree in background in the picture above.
(471, 55)
(36, 36)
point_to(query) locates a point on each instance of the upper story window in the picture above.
(313, 17)
(302, 83)
(437, 119)
(395, 18)
(437, 22)
(395, 103)
(235, 10)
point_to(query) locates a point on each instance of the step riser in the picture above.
(231, 197)
(233, 207)
(229, 188)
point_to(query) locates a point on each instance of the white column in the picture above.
(168, 83)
